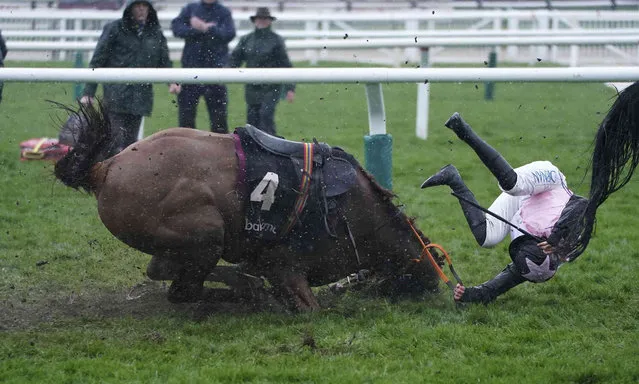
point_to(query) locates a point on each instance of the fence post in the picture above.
(77, 88)
(423, 100)
(489, 86)
(378, 146)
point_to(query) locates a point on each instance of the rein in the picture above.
(431, 259)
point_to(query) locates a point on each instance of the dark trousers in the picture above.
(125, 128)
(1, 86)
(262, 115)
(216, 98)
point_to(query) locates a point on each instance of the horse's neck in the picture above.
(385, 233)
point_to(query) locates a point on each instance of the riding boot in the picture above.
(488, 291)
(475, 217)
(495, 163)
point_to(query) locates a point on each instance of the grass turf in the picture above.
(66, 321)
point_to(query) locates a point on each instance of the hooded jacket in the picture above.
(3, 50)
(205, 49)
(125, 44)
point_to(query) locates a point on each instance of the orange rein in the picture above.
(431, 259)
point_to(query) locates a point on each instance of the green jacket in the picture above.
(261, 48)
(124, 45)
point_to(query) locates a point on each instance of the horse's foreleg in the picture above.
(295, 290)
(162, 268)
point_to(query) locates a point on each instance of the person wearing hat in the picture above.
(263, 48)
(134, 41)
(207, 28)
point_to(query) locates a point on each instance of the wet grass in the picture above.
(63, 277)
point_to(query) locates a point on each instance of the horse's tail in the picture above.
(94, 143)
(614, 159)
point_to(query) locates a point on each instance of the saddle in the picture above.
(293, 185)
(338, 175)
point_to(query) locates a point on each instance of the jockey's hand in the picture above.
(459, 292)
(86, 100)
(175, 88)
(547, 248)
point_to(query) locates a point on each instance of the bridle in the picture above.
(426, 251)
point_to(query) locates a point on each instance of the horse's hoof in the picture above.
(179, 293)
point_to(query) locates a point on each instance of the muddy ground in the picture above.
(144, 300)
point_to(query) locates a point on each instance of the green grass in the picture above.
(67, 321)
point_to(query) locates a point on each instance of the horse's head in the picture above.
(409, 271)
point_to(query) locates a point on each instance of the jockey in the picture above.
(534, 197)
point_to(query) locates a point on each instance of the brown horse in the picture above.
(177, 195)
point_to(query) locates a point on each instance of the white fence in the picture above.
(630, 53)
(86, 26)
(371, 77)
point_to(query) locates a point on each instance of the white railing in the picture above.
(371, 77)
(318, 34)
(328, 45)
(68, 25)
(354, 5)
(318, 75)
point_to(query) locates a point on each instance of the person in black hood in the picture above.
(206, 27)
(3, 54)
(263, 48)
(134, 41)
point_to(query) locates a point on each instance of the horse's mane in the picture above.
(94, 143)
(386, 194)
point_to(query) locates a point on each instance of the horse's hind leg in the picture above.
(164, 268)
(194, 267)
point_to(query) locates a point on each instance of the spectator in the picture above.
(207, 28)
(3, 54)
(263, 48)
(134, 41)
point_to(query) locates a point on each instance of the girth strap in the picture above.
(305, 186)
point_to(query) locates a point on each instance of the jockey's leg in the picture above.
(475, 217)
(492, 159)
(487, 230)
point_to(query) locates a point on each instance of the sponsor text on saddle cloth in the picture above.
(290, 185)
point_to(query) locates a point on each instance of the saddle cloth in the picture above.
(278, 202)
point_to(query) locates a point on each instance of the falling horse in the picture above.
(298, 214)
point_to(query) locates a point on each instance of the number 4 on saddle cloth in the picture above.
(290, 188)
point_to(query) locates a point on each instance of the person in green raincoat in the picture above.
(263, 48)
